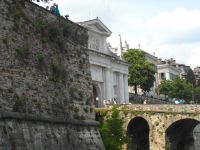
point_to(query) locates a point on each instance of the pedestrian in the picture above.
(57, 12)
(67, 17)
(52, 9)
(47, 7)
(114, 100)
(145, 102)
(104, 102)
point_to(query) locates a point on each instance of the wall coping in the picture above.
(162, 108)
(48, 11)
(46, 119)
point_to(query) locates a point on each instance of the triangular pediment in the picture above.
(96, 25)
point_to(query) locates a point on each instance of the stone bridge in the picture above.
(161, 127)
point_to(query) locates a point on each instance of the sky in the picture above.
(166, 28)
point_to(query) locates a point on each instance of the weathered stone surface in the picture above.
(44, 71)
(25, 135)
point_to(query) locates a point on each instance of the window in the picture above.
(162, 75)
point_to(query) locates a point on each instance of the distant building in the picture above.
(182, 67)
(109, 72)
(164, 70)
(121, 48)
(152, 59)
(197, 75)
(167, 71)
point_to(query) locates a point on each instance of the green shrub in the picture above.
(22, 52)
(112, 132)
(67, 28)
(58, 72)
(20, 103)
(76, 109)
(40, 58)
(54, 33)
(44, 40)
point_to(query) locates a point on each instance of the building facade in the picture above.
(165, 69)
(197, 75)
(109, 72)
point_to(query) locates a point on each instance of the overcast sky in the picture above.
(168, 28)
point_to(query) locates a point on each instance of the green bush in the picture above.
(54, 33)
(112, 132)
(20, 103)
(58, 72)
(40, 58)
(67, 28)
(22, 52)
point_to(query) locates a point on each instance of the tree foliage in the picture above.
(181, 89)
(141, 72)
(190, 78)
(177, 88)
(112, 132)
(165, 87)
(197, 94)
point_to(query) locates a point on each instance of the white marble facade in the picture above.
(109, 72)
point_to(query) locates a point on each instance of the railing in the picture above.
(139, 99)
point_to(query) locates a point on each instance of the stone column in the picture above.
(108, 81)
(111, 84)
(157, 136)
(121, 88)
(126, 94)
(167, 76)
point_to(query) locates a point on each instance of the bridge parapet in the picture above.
(161, 108)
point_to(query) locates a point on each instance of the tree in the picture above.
(190, 78)
(165, 87)
(149, 74)
(197, 94)
(141, 72)
(182, 89)
(177, 88)
(112, 132)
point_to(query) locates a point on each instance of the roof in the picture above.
(98, 24)
(162, 66)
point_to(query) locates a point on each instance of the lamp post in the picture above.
(193, 94)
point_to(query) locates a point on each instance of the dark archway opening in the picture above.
(138, 133)
(95, 96)
(179, 135)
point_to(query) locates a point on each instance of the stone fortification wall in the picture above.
(45, 82)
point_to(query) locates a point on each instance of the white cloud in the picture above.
(179, 19)
(175, 34)
(179, 26)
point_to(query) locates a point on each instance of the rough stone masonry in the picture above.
(45, 83)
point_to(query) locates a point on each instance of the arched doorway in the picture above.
(138, 132)
(96, 95)
(179, 135)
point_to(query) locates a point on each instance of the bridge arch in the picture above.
(138, 131)
(179, 135)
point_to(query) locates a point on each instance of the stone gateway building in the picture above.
(46, 98)
(109, 72)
